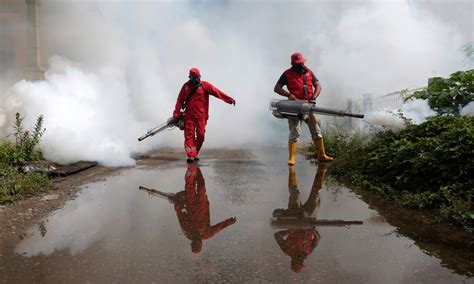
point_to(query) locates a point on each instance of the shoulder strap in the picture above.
(190, 96)
(305, 85)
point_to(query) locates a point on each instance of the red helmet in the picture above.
(297, 57)
(194, 73)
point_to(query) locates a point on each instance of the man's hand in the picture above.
(233, 220)
(291, 97)
(233, 102)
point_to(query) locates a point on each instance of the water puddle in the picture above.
(228, 219)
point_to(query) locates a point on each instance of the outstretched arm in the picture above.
(218, 93)
(220, 226)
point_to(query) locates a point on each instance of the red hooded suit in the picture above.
(197, 113)
(193, 209)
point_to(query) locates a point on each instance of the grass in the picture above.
(426, 166)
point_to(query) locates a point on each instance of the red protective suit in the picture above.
(192, 210)
(197, 113)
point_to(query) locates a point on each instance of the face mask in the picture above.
(300, 68)
(195, 81)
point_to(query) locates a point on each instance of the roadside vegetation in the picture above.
(425, 166)
(14, 182)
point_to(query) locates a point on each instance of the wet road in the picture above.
(115, 232)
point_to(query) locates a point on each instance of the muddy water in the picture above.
(113, 231)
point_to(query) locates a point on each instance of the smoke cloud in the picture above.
(116, 67)
(416, 111)
(468, 110)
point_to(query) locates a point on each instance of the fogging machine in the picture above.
(308, 223)
(288, 109)
(170, 123)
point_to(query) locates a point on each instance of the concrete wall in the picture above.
(17, 48)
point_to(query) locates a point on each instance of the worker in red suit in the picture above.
(193, 99)
(302, 85)
(192, 209)
(300, 243)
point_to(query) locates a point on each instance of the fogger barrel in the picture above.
(287, 108)
(308, 223)
(169, 124)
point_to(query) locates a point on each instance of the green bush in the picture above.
(448, 96)
(424, 166)
(16, 184)
(26, 141)
(13, 182)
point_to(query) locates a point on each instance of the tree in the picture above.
(448, 96)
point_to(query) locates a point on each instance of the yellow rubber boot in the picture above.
(319, 179)
(292, 152)
(322, 157)
(292, 178)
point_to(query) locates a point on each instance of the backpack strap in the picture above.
(190, 96)
(305, 86)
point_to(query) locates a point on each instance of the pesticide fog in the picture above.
(114, 68)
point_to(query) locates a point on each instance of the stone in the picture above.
(50, 197)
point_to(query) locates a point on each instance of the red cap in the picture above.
(194, 73)
(297, 57)
(297, 267)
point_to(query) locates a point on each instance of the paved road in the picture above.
(114, 232)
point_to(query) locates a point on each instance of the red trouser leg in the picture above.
(200, 133)
(189, 138)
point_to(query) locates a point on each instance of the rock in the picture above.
(50, 197)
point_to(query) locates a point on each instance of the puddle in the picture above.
(239, 220)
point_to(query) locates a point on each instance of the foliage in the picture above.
(448, 96)
(342, 144)
(13, 182)
(424, 166)
(26, 141)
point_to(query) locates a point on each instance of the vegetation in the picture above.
(13, 181)
(426, 166)
(448, 96)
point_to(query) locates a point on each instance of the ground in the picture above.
(136, 243)
(15, 218)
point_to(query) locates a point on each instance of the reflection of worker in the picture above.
(300, 81)
(192, 209)
(300, 243)
(194, 98)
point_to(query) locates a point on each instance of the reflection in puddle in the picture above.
(300, 235)
(112, 232)
(192, 209)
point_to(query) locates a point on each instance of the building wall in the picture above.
(13, 36)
